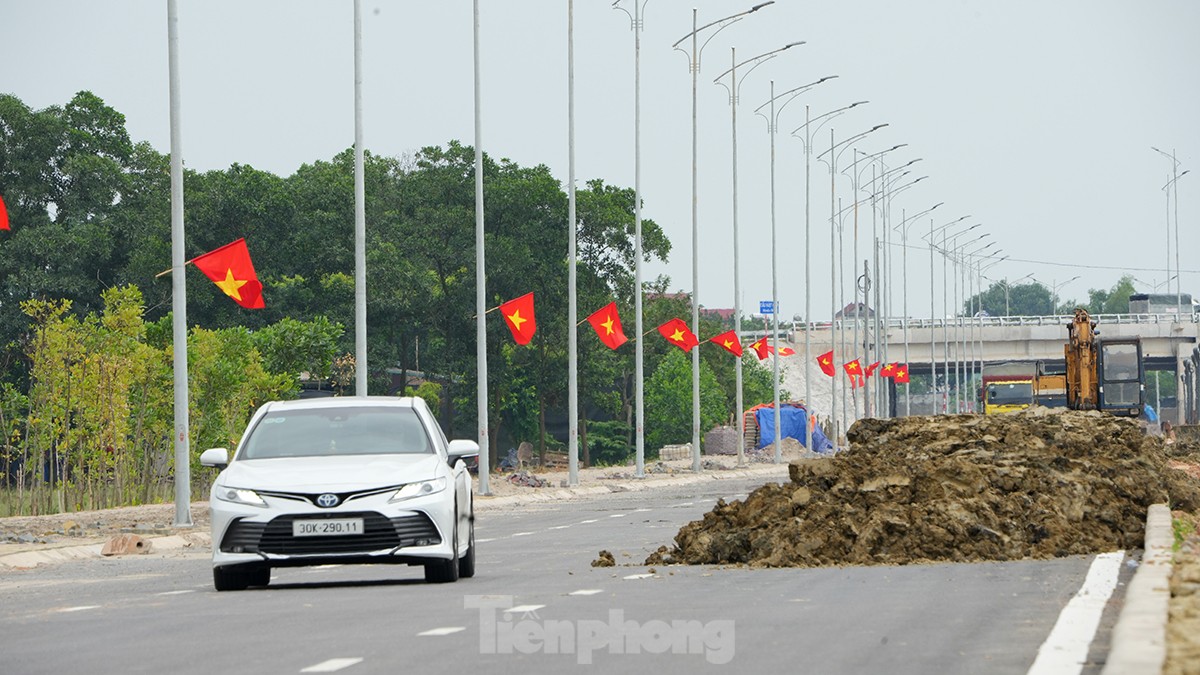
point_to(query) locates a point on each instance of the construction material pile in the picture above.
(1034, 484)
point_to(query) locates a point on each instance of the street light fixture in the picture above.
(694, 64)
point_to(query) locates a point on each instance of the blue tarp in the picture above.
(794, 422)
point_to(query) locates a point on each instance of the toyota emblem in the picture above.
(327, 500)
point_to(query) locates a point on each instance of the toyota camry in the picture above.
(342, 480)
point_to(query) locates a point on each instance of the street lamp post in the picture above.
(1176, 176)
(772, 125)
(960, 345)
(694, 65)
(904, 289)
(932, 308)
(638, 348)
(808, 127)
(945, 310)
(833, 254)
(734, 88)
(1007, 312)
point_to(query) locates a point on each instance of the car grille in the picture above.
(379, 533)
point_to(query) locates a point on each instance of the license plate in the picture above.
(330, 527)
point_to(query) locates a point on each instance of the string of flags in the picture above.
(606, 321)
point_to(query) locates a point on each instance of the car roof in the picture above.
(343, 402)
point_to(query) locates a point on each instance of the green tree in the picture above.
(1112, 301)
(669, 401)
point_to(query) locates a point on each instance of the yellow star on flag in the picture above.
(677, 336)
(608, 326)
(516, 319)
(230, 285)
(728, 344)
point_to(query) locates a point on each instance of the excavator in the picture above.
(1103, 374)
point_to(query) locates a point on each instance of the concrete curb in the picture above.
(30, 559)
(1139, 640)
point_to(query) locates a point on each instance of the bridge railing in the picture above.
(1049, 320)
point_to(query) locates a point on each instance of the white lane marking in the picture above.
(586, 591)
(1066, 648)
(442, 631)
(686, 504)
(79, 608)
(521, 534)
(559, 527)
(332, 665)
(586, 522)
(617, 515)
(523, 609)
(326, 567)
(176, 592)
(484, 541)
(638, 576)
(641, 510)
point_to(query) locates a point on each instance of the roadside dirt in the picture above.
(1034, 484)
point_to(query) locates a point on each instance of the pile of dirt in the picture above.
(1034, 484)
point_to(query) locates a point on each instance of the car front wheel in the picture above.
(445, 571)
(466, 564)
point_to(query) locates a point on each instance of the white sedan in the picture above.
(342, 480)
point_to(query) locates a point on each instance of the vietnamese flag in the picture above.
(607, 323)
(677, 333)
(230, 268)
(518, 314)
(889, 370)
(729, 342)
(853, 367)
(3, 215)
(760, 348)
(826, 362)
(871, 368)
(786, 351)
(902, 374)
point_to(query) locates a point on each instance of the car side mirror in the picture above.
(462, 449)
(215, 457)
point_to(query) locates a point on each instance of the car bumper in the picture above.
(408, 532)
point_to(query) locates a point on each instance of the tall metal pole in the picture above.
(904, 298)
(183, 467)
(833, 289)
(1178, 271)
(737, 277)
(480, 282)
(695, 260)
(572, 311)
(360, 219)
(932, 322)
(774, 289)
(807, 284)
(639, 357)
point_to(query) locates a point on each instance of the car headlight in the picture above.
(240, 496)
(419, 489)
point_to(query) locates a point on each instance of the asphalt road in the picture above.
(159, 614)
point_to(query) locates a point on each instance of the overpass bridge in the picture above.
(958, 346)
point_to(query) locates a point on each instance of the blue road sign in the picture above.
(766, 306)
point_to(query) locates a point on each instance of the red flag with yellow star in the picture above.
(607, 323)
(871, 368)
(826, 362)
(231, 270)
(761, 348)
(889, 370)
(678, 334)
(786, 351)
(518, 314)
(901, 374)
(3, 215)
(729, 342)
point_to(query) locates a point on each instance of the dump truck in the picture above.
(1007, 386)
(1103, 374)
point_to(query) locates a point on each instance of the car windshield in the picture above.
(337, 431)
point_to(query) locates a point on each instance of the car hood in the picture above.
(330, 474)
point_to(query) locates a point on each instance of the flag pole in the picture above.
(183, 462)
(360, 219)
(481, 392)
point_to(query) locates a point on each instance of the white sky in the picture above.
(1034, 117)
